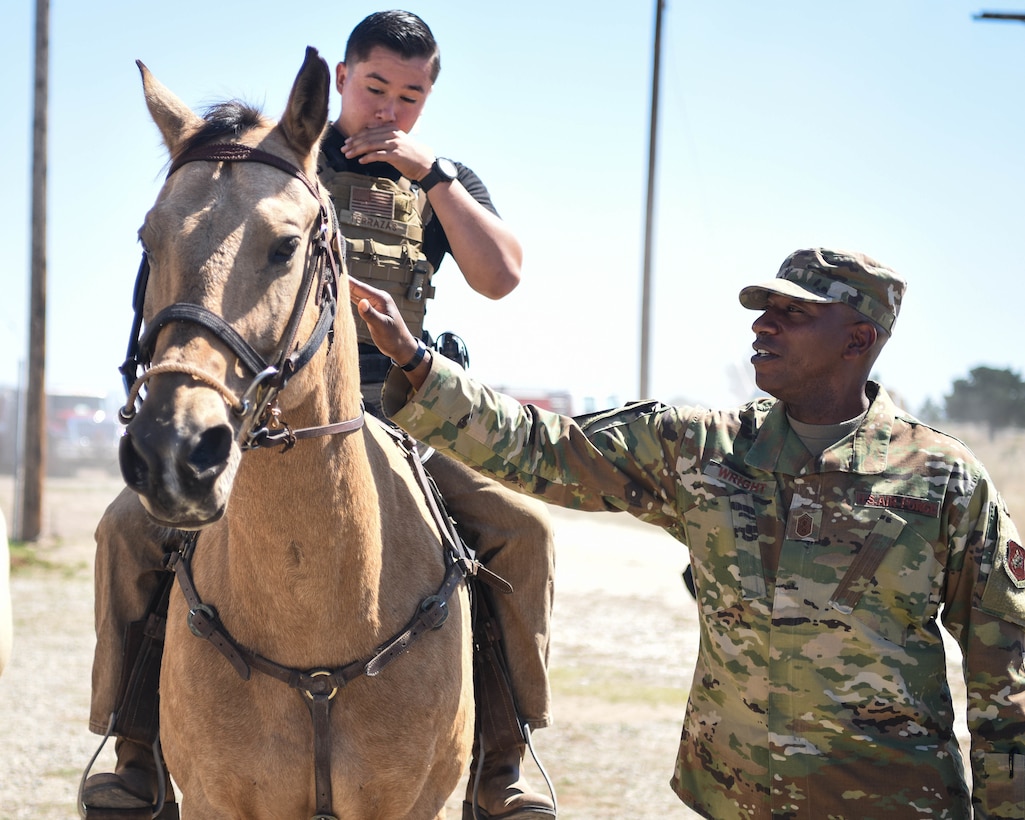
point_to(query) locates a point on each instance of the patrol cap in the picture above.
(830, 276)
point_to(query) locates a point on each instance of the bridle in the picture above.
(261, 425)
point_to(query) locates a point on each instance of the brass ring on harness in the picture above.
(320, 673)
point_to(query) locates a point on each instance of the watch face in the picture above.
(447, 168)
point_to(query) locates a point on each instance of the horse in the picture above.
(336, 675)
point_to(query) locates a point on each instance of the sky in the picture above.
(893, 127)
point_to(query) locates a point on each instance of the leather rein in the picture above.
(261, 425)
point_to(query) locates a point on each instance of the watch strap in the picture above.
(434, 176)
(411, 365)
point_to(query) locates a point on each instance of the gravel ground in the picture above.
(624, 631)
(624, 639)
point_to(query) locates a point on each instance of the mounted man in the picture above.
(401, 209)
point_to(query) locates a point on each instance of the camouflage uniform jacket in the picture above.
(819, 689)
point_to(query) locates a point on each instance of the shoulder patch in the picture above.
(1014, 563)
(1004, 593)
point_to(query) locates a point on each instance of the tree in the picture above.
(992, 397)
(931, 412)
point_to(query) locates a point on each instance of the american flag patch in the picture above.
(371, 202)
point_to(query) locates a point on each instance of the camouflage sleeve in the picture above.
(615, 461)
(985, 611)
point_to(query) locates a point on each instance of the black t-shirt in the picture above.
(435, 241)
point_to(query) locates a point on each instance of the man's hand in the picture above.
(387, 329)
(385, 143)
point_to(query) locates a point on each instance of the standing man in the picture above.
(401, 209)
(830, 533)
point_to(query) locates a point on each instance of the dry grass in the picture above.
(1004, 457)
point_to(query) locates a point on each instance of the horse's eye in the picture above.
(284, 250)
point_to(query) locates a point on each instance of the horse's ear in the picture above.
(173, 117)
(306, 114)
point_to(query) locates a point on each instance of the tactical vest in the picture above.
(382, 223)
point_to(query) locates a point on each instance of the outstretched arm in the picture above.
(539, 452)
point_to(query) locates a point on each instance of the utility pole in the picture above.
(649, 217)
(34, 459)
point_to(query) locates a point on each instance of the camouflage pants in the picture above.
(511, 533)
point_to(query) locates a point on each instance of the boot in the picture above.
(502, 791)
(131, 791)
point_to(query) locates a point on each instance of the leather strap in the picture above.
(436, 504)
(320, 714)
(322, 271)
(197, 314)
(235, 152)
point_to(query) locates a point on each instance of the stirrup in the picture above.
(474, 805)
(155, 810)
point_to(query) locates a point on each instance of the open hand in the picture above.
(379, 311)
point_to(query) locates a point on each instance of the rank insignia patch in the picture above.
(804, 523)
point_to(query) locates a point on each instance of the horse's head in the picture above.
(237, 293)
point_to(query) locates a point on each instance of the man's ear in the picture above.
(340, 74)
(862, 339)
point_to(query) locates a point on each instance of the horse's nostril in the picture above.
(211, 453)
(133, 466)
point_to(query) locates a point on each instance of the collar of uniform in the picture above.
(778, 449)
(870, 445)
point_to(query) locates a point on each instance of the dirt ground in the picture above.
(624, 631)
(624, 639)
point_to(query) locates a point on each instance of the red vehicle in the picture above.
(81, 432)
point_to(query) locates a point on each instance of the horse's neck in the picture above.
(304, 532)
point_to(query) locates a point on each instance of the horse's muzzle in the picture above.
(181, 479)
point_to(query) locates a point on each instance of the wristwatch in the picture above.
(442, 170)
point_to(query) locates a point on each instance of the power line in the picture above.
(1000, 15)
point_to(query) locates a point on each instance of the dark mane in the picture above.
(230, 119)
